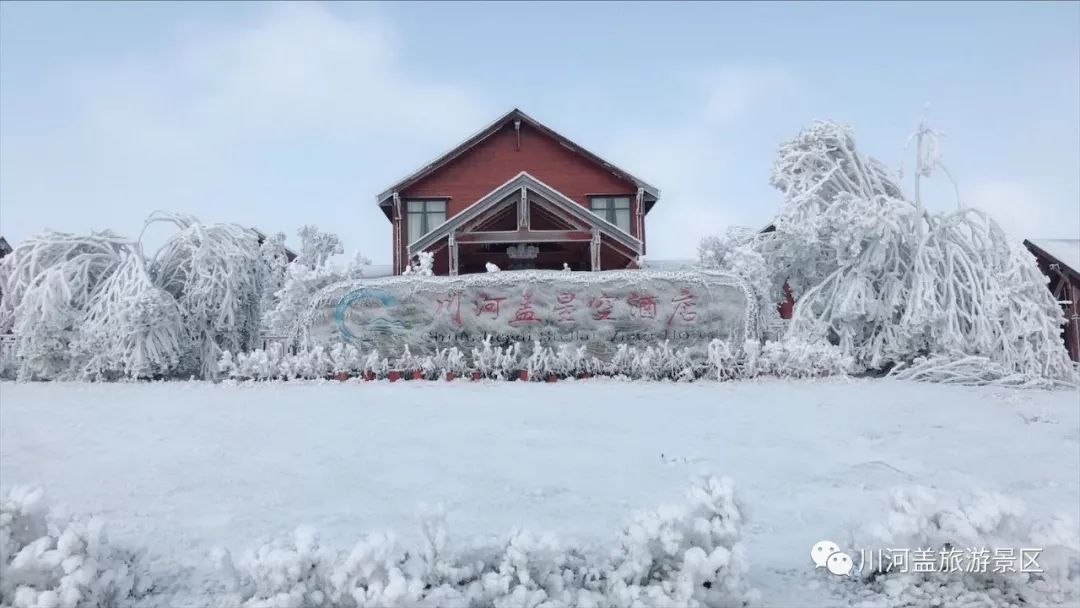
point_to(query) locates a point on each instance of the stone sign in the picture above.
(600, 309)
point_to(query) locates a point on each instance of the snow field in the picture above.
(184, 469)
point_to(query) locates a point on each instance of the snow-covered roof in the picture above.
(1064, 251)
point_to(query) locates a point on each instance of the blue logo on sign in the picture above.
(375, 298)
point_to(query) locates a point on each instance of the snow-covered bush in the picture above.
(954, 534)
(541, 362)
(345, 358)
(794, 358)
(688, 555)
(51, 561)
(422, 266)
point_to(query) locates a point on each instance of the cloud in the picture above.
(1023, 211)
(295, 116)
(691, 156)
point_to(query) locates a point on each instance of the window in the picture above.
(424, 216)
(615, 209)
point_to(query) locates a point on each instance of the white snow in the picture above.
(181, 468)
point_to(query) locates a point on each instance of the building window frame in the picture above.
(422, 215)
(614, 208)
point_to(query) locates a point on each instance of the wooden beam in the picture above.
(524, 236)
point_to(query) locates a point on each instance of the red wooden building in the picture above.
(1059, 259)
(519, 195)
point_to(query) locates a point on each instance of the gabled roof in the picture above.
(1063, 252)
(5, 248)
(546, 192)
(651, 192)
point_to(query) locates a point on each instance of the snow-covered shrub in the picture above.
(796, 358)
(422, 267)
(491, 267)
(570, 361)
(486, 358)
(723, 360)
(686, 555)
(345, 358)
(887, 281)
(51, 561)
(447, 360)
(954, 534)
(406, 361)
(375, 363)
(541, 362)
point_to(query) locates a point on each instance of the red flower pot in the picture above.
(552, 378)
(584, 375)
(369, 376)
(523, 375)
(450, 376)
(394, 376)
(342, 376)
(417, 375)
(475, 376)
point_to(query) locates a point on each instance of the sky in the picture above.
(278, 115)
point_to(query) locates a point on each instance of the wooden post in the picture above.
(594, 249)
(453, 255)
(523, 209)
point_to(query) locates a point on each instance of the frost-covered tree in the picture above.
(215, 273)
(275, 264)
(887, 281)
(305, 276)
(316, 247)
(96, 307)
(49, 282)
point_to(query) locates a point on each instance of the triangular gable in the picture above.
(497, 196)
(384, 198)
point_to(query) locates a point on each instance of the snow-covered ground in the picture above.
(181, 468)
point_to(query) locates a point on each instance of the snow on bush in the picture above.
(50, 561)
(722, 361)
(949, 528)
(422, 266)
(685, 555)
(887, 281)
